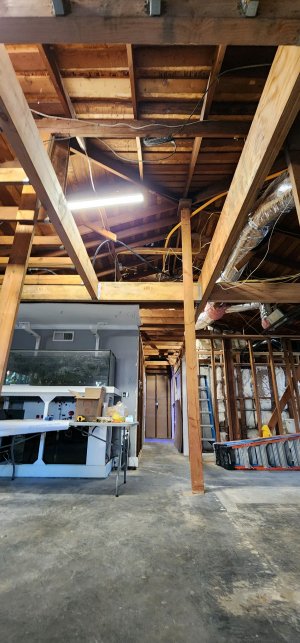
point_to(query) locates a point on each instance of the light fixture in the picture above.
(86, 204)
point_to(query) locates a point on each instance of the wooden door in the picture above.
(158, 423)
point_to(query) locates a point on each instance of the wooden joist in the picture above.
(18, 125)
(130, 56)
(277, 109)
(206, 105)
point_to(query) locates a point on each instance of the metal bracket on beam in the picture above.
(153, 7)
(248, 8)
(61, 7)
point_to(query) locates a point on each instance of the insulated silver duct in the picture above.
(276, 200)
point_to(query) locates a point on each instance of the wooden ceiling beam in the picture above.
(277, 109)
(114, 292)
(141, 128)
(33, 22)
(20, 130)
(265, 292)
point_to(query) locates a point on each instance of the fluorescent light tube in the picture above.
(86, 204)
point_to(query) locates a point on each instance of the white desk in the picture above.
(99, 436)
(121, 444)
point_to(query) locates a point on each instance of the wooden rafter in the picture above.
(19, 128)
(49, 59)
(277, 109)
(206, 105)
(129, 50)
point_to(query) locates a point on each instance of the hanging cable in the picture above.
(209, 202)
(136, 254)
(180, 126)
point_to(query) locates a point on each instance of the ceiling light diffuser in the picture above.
(86, 204)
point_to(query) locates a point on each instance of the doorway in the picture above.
(158, 421)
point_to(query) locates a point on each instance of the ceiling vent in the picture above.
(63, 336)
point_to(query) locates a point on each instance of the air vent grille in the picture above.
(63, 336)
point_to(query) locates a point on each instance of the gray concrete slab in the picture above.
(156, 564)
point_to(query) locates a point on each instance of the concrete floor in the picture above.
(155, 565)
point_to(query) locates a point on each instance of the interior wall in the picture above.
(84, 340)
(123, 342)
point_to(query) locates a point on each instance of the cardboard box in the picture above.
(90, 403)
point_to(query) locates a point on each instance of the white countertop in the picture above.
(29, 390)
(23, 427)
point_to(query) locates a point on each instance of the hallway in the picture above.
(157, 564)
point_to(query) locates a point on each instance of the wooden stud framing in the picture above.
(290, 381)
(275, 388)
(194, 427)
(255, 387)
(294, 374)
(233, 420)
(242, 409)
(214, 390)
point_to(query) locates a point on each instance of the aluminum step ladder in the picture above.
(279, 453)
(206, 414)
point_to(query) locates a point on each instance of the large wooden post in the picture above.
(194, 429)
(13, 280)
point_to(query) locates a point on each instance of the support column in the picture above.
(13, 280)
(194, 429)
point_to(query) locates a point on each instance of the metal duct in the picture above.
(276, 200)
